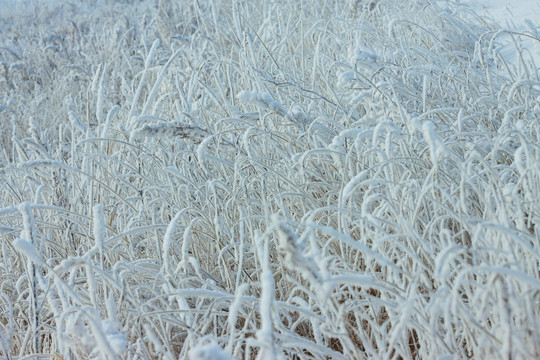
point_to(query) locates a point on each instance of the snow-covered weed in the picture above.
(266, 179)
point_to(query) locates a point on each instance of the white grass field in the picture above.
(233, 179)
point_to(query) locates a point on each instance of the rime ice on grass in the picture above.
(403, 176)
(210, 351)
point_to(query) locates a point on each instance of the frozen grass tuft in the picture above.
(266, 179)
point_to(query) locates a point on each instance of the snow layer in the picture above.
(521, 16)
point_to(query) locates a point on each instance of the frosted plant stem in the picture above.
(137, 94)
(29, 234)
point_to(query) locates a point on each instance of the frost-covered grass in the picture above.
(266, 179)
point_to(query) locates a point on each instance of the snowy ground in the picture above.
(269, 179)
(508, 13)
(520, 17)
